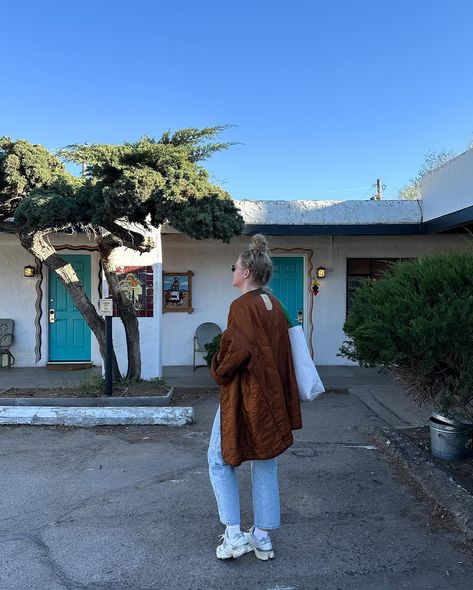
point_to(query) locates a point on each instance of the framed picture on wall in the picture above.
(177, 291)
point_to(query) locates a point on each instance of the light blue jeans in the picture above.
(264, 481)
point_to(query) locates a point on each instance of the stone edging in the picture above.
(436, 484)
(89, 416)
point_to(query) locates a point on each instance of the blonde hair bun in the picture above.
(259, 244)
(257, 258)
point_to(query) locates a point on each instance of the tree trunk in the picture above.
(125, 307)
(37, 245)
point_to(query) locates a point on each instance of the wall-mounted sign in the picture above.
(106, 307)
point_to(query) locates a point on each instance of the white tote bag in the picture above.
(308, 380)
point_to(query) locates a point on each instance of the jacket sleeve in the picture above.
(234, 352)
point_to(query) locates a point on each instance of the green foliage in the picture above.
(212, 348)
(192, 138)
(158, 381)
(127, 382)
(418, 321)
(94, 384)
(149, 181)
(45, 209)
(25, 167)
(212, 216)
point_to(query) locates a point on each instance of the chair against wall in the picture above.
(204, 334)
(6, 340)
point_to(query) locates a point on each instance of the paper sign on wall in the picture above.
(106, 307)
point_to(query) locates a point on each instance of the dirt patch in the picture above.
(460, 470)
(140, 388)
(182, 395)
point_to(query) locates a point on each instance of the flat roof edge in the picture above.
(449, 221)
(385, 229)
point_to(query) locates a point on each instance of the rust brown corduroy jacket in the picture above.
(259, 401)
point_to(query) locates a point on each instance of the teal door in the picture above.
(69, 335)
(287, 284)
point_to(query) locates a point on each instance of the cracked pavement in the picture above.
(131, 508)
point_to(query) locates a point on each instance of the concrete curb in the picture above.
(89, 416)
(435, 484)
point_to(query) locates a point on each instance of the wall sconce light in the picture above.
(321, 272)
(29, 271)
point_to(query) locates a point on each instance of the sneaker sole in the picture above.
(236, 553)
(264, 555)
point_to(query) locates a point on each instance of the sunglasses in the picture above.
(233, 268)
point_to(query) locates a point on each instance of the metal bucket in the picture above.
(449, 440)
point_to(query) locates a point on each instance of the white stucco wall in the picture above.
(18, 298)
(210, 261)
(168, 338)
(448, 188)
(212, 291)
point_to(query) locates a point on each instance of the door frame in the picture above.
(305, 293)
(66, 253)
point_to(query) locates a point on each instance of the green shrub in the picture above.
(130, 382)
(212, 348)
(158, 381)
(93, 384)
(418, 321)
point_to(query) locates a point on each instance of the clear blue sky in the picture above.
(326, 96)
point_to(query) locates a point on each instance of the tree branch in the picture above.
(122, 236)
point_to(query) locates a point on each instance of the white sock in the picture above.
(259, 534)
(233, 530)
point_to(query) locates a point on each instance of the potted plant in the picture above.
(212, 348)
(417, 320)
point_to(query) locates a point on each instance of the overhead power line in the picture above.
(346, 190)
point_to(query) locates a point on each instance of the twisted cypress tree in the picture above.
(128, 189)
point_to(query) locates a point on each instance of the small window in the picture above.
(360, 270)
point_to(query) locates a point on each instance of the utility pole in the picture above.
(379, 191)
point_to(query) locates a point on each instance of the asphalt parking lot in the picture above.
(131, 508)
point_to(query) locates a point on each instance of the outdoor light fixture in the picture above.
(321, 272)
(29, 271)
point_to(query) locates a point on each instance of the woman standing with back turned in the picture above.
(259, 405)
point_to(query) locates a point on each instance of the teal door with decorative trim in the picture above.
(287, 284)
(69, 334)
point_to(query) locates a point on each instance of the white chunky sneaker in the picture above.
(233, 547)
(263, 549)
